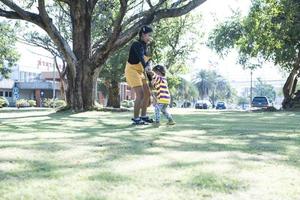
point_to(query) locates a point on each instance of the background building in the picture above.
(33, 77)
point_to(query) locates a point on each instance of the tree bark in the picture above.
(63, 89)
(290, 87)
(81, 83)
(113, 95)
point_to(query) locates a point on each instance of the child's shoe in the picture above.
(156, 124)
(171, 122)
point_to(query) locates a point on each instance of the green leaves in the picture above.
(212, 85)
(171, 49)
(263, 89)
(8, 54)
(270, 31)
(170, 46)
(226, 36)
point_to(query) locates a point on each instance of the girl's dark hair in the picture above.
(145, 30)
(160, 69)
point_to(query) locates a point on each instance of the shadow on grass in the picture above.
(252, 133)
(109, 177)
(31, 169)
(215, 183)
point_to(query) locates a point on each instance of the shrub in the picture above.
(59, 103)
(3, 102)
(49, 103)
(32, 103)
(127, 103)
(22, 103)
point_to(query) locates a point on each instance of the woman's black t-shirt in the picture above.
(137, 52)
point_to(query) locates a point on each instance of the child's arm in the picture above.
(154, 98)
(155, 79)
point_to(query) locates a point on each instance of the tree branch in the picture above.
(10, 14)
(56, 36)
(177, 3)
(117, 28)
(150, 16)
(144, 13)
(149, 3)
(19, 13)
(42, 20)
(158, 15)
(176, 12)
(65, 1)
(62, 73)
(63, 9)
(92, 3)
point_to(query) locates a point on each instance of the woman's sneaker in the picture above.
(147, 119)
(138, 121)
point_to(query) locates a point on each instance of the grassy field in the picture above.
(97, 155)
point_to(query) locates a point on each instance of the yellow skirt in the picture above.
(135, 75)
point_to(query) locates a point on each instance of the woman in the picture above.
(135, 75)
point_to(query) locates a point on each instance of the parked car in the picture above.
(221, 105)
(260, 102)
(202, 105)
(186, 104)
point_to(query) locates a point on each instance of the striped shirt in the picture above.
(161, 85)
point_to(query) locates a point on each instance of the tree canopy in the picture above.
(270, 32)
(71, 26)
(8, 53)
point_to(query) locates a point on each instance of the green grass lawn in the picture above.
(98, 155)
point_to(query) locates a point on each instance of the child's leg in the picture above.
(157, 113)
(165, 112)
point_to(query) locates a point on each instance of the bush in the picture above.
(127, 103)
(49, 103)
(59, 103)
(32, 103)
(124, 103)
(22, 103)
(3, 102)
(271, 109)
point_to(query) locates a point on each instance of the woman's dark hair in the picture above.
(145, 30)
(160, 69)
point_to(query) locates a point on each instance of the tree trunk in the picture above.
(80, 95)
(113, 95)
(63, 89)
(80, 92)
(290, 87)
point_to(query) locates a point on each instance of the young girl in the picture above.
(162, 100)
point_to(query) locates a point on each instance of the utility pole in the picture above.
(251, 87)
(53, 83)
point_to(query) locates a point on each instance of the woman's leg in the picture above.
(146, 99)
(139, 96)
